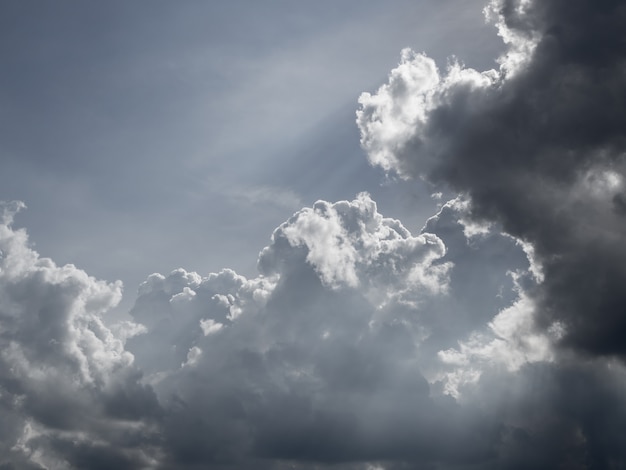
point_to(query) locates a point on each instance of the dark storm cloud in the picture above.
(361, 345)
(538, 146)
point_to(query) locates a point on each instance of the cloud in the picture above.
(413, 350)
(68, 389)
(320, 358)
(353, 364)
(490, 339)
(537, 146)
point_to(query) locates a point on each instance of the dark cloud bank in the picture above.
(492, 339)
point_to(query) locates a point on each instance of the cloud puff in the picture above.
(344, 249)
(537, 146)
(554, 408)
(68, 391)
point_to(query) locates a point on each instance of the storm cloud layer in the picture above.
(537, 145)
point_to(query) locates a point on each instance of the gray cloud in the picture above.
(359, 345)
(333, 356)
(316, 360)
(538, 146)
(68, 389)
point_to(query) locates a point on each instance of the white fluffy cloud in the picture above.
(394, 120)
(351, 244)
(491, 339)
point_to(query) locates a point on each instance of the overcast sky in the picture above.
(355, 234)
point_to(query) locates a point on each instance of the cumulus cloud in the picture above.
(68, 390)
(536, 150)
(367, 364)
(413, 350)
(361, 363)
(317, 359)
(536, 145)
(490, 339)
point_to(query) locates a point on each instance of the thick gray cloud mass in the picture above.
(316, 360)
(359, 345)
(538, 146)
(68, 390)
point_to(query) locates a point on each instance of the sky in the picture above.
(289, 235)
(151, 131)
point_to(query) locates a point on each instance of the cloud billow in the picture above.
(397, 355)
(360, 344)
(537, 145)
(315, 360)
(68, 389)
(408, 350)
